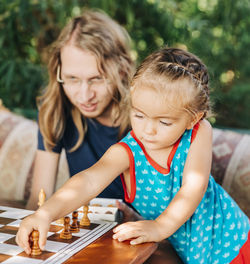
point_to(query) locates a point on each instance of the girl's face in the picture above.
(84, 85)
(154, 122)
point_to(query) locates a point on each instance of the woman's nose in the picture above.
(85, 92)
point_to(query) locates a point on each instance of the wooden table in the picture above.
(106, 250)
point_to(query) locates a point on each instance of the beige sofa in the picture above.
(18, 142)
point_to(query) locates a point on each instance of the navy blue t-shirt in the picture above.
(96, 141)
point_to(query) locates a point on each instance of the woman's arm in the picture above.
(44, 176)
(195, 180)
(74, 193)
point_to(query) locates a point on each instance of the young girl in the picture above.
(165, 164)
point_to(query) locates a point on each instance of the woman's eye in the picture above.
(71, 80)
(74, 79)
(165, 123)
(98, 78)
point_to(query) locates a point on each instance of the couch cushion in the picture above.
(17, 149)
(231, 165)
(18, 144)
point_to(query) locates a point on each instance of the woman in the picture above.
(83, 108)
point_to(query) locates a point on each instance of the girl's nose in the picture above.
(150, 128)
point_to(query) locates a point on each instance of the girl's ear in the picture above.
(195, 120)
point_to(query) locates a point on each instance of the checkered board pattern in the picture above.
(57, 250)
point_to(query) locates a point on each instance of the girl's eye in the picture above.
(165, 123)
(138, 116)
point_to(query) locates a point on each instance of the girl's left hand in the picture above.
(139, 232)
(128, 213)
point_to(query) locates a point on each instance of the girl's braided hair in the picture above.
(170, 65)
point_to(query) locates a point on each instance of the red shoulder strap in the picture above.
(129, 199)
(194, 132)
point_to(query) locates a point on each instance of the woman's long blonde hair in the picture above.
(97, 33)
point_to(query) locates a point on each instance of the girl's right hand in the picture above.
(33, 222)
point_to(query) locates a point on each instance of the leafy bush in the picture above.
(217, 31)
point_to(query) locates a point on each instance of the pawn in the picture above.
(85, 220)
(74, 226)
(35, 249)
(60, 221)
(65, 234)
(41, 197)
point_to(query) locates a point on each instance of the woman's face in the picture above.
(84, 85)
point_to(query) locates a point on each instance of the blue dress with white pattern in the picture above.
(217, 229)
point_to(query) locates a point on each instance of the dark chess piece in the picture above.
(74, 226)
(65, 234)
(35, 249)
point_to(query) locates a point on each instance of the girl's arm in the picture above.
(44, 176)
(75, 192)
(195, 180)
(194, 184)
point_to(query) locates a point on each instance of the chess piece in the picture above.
(74, 226)
(96, 204)
(35, 249)
(65, 234)
(41, 197)
(85, 220)
(60, 221)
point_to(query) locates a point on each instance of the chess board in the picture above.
(57, 250)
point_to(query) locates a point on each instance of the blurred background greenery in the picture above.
(218, 31)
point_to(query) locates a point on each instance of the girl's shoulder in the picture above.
(203, 139)
(205, 124)
(204, 129)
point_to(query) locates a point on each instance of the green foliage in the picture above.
(216, 30)
(220, 36)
